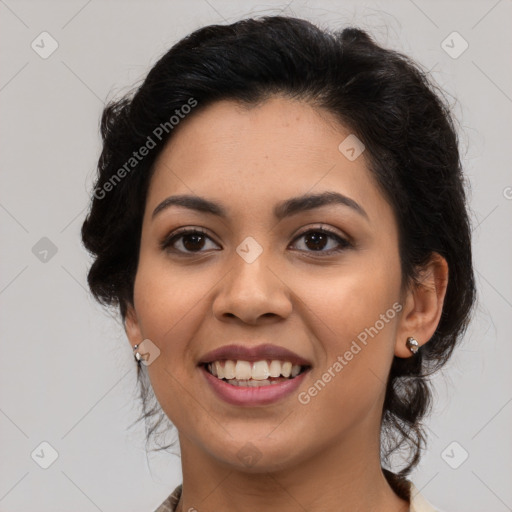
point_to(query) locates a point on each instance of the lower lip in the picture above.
(261, 395)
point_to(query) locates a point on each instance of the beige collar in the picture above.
(418, 501)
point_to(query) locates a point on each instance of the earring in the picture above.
(412, 344)
(137, 354)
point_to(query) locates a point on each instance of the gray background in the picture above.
(67, 373)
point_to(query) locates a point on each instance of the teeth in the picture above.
(246, 373)
(219, 369)
(260, 370)
(229, 370)
(286, 369)
(252, 383)
(295, 370)
(275, 368)
(243, 370)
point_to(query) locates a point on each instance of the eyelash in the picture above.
(169, 240)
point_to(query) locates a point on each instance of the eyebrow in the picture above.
(283, 209)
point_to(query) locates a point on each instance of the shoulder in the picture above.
(169, 505)
(419, 503)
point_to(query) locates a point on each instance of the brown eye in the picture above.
(191, 241)
(186, 241)
(316, 240)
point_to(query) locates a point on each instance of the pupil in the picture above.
(317, 238)
(193, 246)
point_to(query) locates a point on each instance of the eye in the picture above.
(318, 238)
(193, 240)
(189, 241)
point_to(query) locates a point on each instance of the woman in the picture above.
(280, 217)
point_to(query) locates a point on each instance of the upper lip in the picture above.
(252, 354)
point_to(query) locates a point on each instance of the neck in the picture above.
(339, 478)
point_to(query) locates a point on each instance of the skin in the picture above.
(319, 456)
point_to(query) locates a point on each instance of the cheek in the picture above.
(357, 351)
(170, 308)
(169, 305)
(351, 316)
(164, 294)
(348, 298)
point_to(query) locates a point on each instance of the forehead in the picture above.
(252, 156)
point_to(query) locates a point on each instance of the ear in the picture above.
(132, 326)
(423, 305)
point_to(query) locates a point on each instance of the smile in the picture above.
(245, 383)
(259, 373)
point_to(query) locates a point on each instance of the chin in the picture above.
(254, 454)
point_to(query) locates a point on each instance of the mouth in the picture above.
(254, 374)
(261, 375)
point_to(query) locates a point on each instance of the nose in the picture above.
(252, 293)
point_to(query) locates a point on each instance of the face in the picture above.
(320, 279)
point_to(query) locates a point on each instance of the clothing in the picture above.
(169, 505)
(418, 502)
